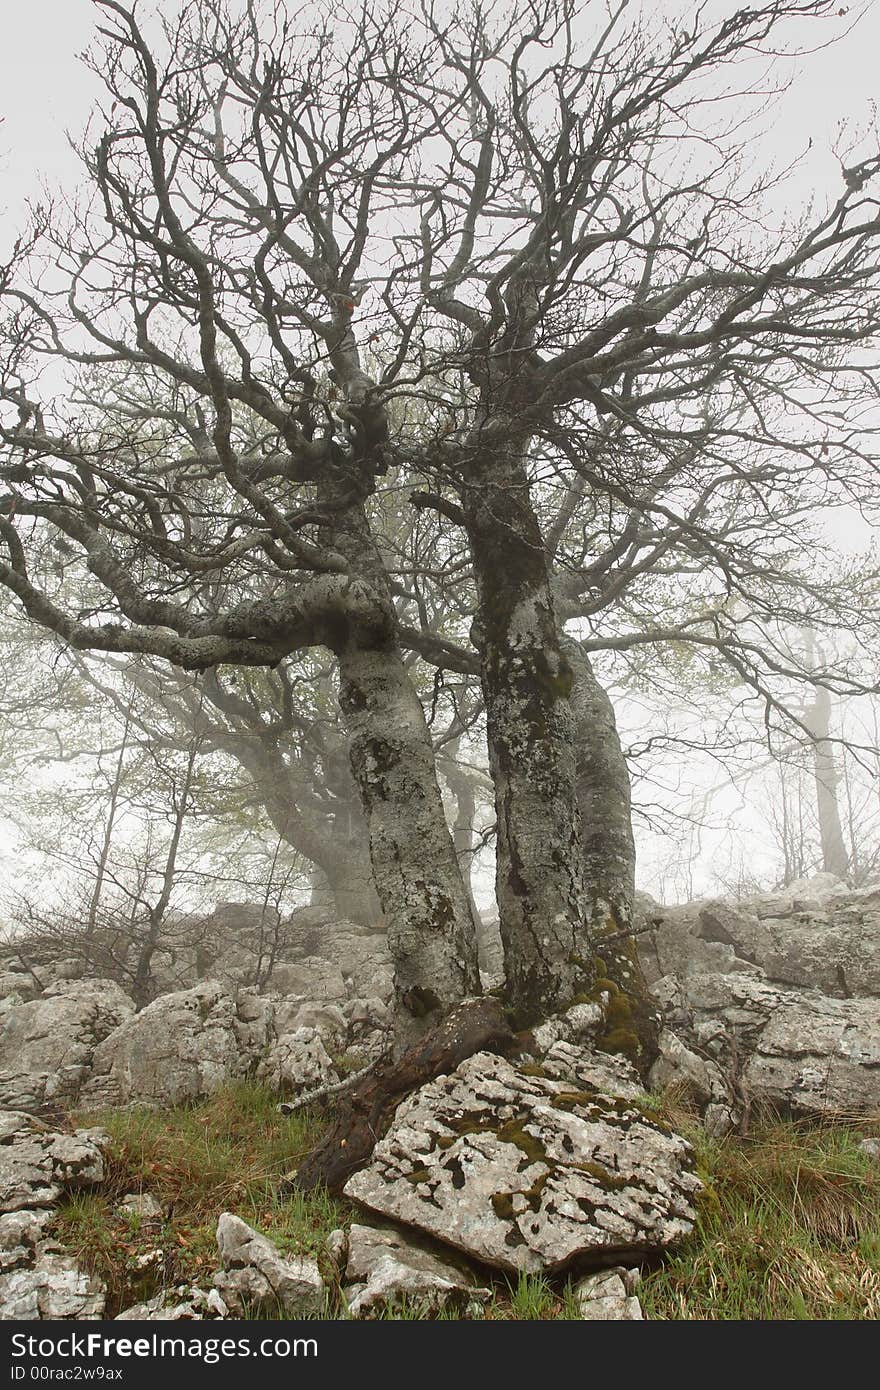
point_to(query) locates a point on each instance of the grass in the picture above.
(789, 1224)
(789, 1228)
(233, 1152)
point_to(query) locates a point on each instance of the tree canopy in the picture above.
(417, 335)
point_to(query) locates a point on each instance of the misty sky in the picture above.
(44, 90)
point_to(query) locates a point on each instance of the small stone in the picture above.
(336, 1246)
(386, 1269)
(608, 1296)
(156, 1310)
(871, 1147)
(142, 1205)
(150, 1259)
(255, 1273)
(215, 1304)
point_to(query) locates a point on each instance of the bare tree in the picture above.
(538, 232)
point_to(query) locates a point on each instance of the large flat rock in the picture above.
(526, 1171)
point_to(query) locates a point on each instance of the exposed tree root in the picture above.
(366, 1106)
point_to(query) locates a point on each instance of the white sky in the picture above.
(45, 90)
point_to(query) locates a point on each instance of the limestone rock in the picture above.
(20, 1234)
(528, 1173)
(796, 1049)
(55, 1287)
(297, 1062)
(22, 985)
(385, 1269)
(609, 1296)
(142, 1205)
(336, 1246)
(815, 934)
(178, 1049)
(360, 952)
(37, 1164)
(592, 1071)
(326, 1019)
(311, 978)
(256, 1274)
(193, 1305)
(47, 1044)
(367, 1013)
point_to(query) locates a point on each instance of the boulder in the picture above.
(359, 951)
(20, 1234)
(297, 1062)
(19, 985)
(256, 1275)
(37, 1164)
(310, 979)
(797, 1050)
(528, 1172)
(178, 1049)
(386, 1269)
(815, 934)
(47, 1044)
(326, 1019)
(54, 1287)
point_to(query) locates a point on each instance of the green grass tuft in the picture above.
(791, 1230)
(233, 1152)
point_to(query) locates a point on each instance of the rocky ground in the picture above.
(548, 1165)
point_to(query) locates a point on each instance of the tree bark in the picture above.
(432, 933)
(527, 682)
(460, 782)
(609, 856)
(431, 929)
(817, 718)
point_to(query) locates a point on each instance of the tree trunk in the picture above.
(609, 857)
(460, 782)
(817, 718)
(431, 928)
(526, 683)
(346, 887)
(331, 834)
